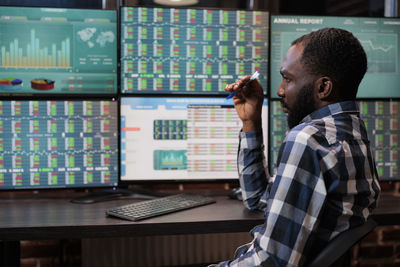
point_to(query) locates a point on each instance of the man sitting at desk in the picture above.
(326, 180)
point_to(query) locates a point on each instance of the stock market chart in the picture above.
(180, 138)
(48, 144)
(382, 123)
(191, 50)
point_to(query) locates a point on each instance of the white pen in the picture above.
(253, 77)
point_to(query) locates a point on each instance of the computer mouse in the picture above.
(236, 193)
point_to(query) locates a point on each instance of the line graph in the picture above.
(381, 51)
(379, 37)
(373, 47)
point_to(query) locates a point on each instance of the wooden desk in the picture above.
(57, 218)
(388, 210)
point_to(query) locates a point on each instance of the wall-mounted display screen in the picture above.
(381, 119)
(380, 38)
(57, 51)
(58, 144)
(190, 51)
(180, 138)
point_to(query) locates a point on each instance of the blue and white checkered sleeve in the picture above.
(294, 206)
(253, 173)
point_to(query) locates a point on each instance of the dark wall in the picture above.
(305, 7)
(364, 8)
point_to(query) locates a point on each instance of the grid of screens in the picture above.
(381, 119)
(180, 138)
(71, 52)
(57, 51)
(50, 144)
(190, 51)
(380, 38)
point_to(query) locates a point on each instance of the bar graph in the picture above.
(36, 55)
(52, 52)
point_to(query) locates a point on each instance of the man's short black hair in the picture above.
(335, 53)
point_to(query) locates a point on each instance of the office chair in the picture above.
(337, 252)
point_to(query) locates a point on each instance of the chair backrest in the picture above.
(341, 244)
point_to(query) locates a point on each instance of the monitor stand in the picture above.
(115, 193)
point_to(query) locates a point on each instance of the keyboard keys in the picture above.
(158, 206)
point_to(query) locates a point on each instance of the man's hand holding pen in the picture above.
(248, 97)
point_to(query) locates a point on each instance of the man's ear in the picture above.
(324, 88)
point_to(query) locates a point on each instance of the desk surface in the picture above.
(58, 218)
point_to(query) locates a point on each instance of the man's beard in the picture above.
(303, 106)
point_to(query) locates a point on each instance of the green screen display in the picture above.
(57, 51)
(378, 36)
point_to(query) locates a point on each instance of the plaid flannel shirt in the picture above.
(326, 182)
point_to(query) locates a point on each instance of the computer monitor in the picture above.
(190, 51)
(180, 138)
(58, 144)
(277, 132)
(57, 51)
(382, 121)
(382, 118)
(380, 38)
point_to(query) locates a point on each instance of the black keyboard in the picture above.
(158, 206)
